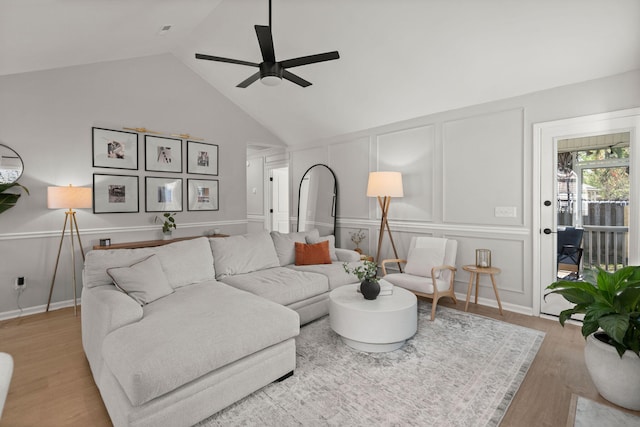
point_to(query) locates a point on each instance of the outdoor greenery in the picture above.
(609, 301)
(612, 182)
(9, 200)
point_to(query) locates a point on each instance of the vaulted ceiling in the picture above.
(398, 59)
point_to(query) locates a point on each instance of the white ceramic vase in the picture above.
(617, 379)
(166, 235)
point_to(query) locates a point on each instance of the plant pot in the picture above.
(617, 379)
(369, 290)
(166, 235)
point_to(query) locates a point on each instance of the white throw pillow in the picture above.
(332, 244)
(186, 262)
(285, 244)
(243, 254)
(143, 281)
(422, 260)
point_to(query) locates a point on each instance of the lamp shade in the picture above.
(383, 184)
(69, 197)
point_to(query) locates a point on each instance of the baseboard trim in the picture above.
(13, 314)
(489, 302)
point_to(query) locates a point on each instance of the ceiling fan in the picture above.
(271, 71)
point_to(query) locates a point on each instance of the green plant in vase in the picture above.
(610, 303)
(168, 223)
(367, 273)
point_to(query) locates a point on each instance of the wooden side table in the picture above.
(475, 272)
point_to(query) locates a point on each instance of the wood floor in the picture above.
(52, 384)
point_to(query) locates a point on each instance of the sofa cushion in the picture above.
(97, 262)
(334, 272)
(243, 254)
(187, 262)
(285, 244)
(210, 325)
(332, 244)
(183, 263)
(143, 281)
(311, 254)
(282, 285)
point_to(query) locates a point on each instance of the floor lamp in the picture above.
(384, 186)
(68, 198)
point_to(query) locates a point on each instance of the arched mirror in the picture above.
(317, 200)
(11, 165)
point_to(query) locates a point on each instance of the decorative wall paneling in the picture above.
(412, 152)
(455, 173)
(483, 165)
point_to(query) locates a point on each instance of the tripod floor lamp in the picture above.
(68, 198)
(384, 186)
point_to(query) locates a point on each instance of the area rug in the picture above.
(593, 414)
(459, 370)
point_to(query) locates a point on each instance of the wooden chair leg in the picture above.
(433, 309)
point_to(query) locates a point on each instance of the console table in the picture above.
(151, 243)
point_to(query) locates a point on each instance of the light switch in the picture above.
(505, 212)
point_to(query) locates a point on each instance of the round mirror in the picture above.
(11, 165)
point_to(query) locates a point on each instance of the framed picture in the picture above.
(202, 158)
(115, 149)
(163, 194)
(115, 193)
(203, 194)
(163, 154)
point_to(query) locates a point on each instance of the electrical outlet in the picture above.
(19, 283)
(505, 212)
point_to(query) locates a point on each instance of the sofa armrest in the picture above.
(104, 309)
(347, 255)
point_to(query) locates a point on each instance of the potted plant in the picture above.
(9, 200)
(610, 303)
(168, 224)
(367, 274)
(357, 237)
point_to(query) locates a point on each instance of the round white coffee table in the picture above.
(379, 325)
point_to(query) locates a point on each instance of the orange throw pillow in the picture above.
(317, 253)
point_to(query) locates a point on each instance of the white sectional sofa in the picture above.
(195, 325)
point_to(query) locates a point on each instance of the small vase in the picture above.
(166, 235)
(369, 290)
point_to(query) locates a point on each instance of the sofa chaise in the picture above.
(175, 333)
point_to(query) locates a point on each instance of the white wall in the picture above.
(47, 118)
(458, 166)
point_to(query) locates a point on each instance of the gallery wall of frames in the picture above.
(167, 158)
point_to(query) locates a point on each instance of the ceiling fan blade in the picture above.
(295, 79)
(249, 80)
(229, 60)
(265, 40)
(311, 59)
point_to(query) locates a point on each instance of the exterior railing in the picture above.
(605, 246)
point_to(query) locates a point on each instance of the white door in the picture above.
(280, 199)
(546, 138)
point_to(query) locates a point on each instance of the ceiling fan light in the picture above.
(271, 80)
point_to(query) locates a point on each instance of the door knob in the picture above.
(547, 202)
(547, 231)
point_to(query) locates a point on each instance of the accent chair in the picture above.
(430, 269)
